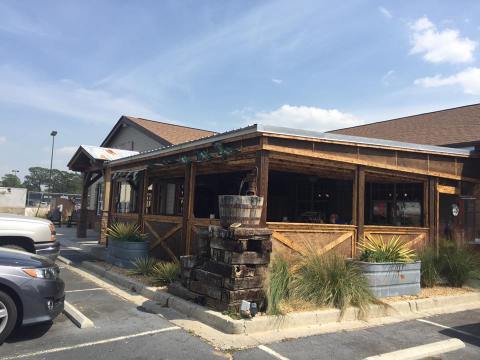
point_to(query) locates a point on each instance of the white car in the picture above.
(30, 234)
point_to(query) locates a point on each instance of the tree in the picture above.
(11, 180)
(62, 181)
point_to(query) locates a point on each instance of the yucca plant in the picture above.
(330, 280)
(278, 284)
(143, 266)
(121, 231)
(429, 273)
(376, 249)
(165, 273)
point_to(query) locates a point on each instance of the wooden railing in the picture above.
(322, 238)
(164, 233)
(416, 237)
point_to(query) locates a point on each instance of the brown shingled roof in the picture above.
(455, 126)
(174, 134)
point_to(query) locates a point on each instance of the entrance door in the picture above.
(457, 218)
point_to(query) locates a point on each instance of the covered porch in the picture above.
(325, 191)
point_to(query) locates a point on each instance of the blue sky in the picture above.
(77, 66)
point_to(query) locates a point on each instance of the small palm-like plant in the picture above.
(165, 273)
(143, 266)
(121, 231)
(375, 249)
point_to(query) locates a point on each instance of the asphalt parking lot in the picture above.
(121, 331)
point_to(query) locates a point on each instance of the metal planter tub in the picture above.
(122, 253)
(392, 279)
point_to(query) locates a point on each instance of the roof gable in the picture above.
(164, 133)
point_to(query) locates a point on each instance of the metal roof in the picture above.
(108, 154)
(300, 133)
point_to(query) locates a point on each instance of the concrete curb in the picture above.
(410, 308)
(76, 316)
(422, 351)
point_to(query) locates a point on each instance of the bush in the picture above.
(278, 284)
(458, 265)
(165, 273)
(143, 266)
(376, 250)
(430, 267)
(332, 281)
(125, 232)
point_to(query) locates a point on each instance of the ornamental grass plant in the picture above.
(430, 269)
(458, 264)
(279, 282)
(143, 266)
(165, 273)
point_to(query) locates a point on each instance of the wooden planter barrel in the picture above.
(246, 210)
(392, 279)
(122, 253)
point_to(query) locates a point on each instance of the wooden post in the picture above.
(355, 198)
(262, 163)
(360, 204)
(425, 210)
(188, 203)
(142, 199)
(82, 221)
(433, 213)
(107, 204)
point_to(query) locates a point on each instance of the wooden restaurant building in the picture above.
(320, 189)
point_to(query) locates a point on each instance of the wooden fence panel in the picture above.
(296, 238)
(165, 236)
(417, 238)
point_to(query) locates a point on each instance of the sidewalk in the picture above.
(80, 249)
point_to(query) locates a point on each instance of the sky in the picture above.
(77, 66)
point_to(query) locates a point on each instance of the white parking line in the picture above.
(70, 248)
(93, 343)
(449, 328)
(272, 352)
(82, 290)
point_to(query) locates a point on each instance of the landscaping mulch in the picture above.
(145, 280)
(431, 292)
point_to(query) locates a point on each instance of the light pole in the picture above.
(52, 134)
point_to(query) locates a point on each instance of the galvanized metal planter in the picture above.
(392, 279)
(122, 253)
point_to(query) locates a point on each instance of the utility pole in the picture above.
(52, 134)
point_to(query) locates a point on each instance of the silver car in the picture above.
(31, 290)
(31, 234)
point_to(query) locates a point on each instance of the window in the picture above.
(394, 204)
(166, 197)
(126, 197)
(99, 205)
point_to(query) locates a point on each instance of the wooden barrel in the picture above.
(246, 210)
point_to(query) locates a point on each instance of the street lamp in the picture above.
(52, 134)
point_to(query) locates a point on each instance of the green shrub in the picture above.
(332, 281)
(125, 232)
(458, 264)
(143, 266)
(430, 267)
(376, 250)
(278, 284)
(165, 273)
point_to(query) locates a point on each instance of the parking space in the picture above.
(377, 340)
(121, 331)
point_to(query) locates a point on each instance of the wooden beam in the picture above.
(142, 199)
(451, 190)
(262, 163)
(82, 221)
(360, 173)
(188, 203)
(287, 242)
(335, 242)
(107, 205)
(432, 211)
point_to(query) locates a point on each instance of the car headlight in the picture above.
(50, 273)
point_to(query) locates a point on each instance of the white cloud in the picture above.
(305, 117)
(468, 80)
(440, 46)
(277, 81)
(69, 98)
(3, 140)
(385, 12)
(386, 79)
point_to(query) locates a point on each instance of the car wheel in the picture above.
(14, 247)
(8, 316)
